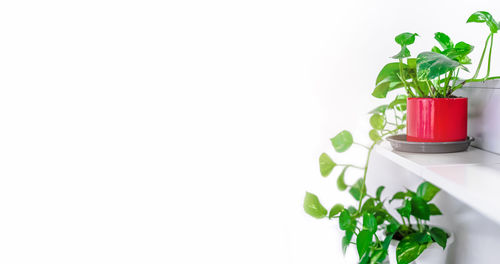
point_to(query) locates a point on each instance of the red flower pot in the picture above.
(436, 119)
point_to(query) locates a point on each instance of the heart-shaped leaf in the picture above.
(377, 121)
(430, 65)
(369, 222)
(439, 236)
(403, 53)
(336, 209)
(434, 210)
(368, 206)
(390, 72)
(405, 38)
(405, 210)
(459, 52)
(398, 196)
(357, 190)
(346, 222)
(419, 208)
(313, 207)
(326, 164)
(374, 135)
(346, 240)
(363, 241)
(408, 250)
(427, 191)
(379, 110)
(340, 180)
(443, 40)
(484, 17)
(342, 141)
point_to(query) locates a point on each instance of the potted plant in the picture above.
(434, 114)
(378, 235)
(429, 82)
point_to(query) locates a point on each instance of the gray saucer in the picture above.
(399, 143)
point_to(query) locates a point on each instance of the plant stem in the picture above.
(482, 57)
(363, 186)
(489, 57)
(455, 78)
(448, 79)
(403, 79)
(432, 91)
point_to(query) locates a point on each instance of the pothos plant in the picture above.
(368, 224)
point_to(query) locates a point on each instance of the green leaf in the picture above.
(380, 216)
(336, 209)
(342, 141)
(405, 210)
(368, 206)
(439, 236)
(404, 53)
(379, 110)
(427, 191)
(393, 227)
(443, 40)
(434, 210)
(459, 52)
(313, 207)
(385, 87)
(369, 222)
(352, 210)
(410, 193)
(345, 221)
(377, 121)
(430, 65)
(412, 64)
(356, 191)
(421, 237)
(379, 191)
(340, 180)
(326, 164)
(405, 38)
(408, 250)
(346, 240)
(398, 196)
(374, 135)
(436, 49)
(484, 17)
(363, 241)
(419, 208)
(390, 72)
(398, 102)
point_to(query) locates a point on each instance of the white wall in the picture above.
(187, 131)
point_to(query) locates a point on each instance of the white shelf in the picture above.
(472, 177)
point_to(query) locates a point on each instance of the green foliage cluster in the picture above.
(435, 73)
(369, 225)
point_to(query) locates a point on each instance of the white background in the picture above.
(189, 131)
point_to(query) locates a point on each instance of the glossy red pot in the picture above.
(436, 119)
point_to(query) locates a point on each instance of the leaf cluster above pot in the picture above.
(435, 73)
